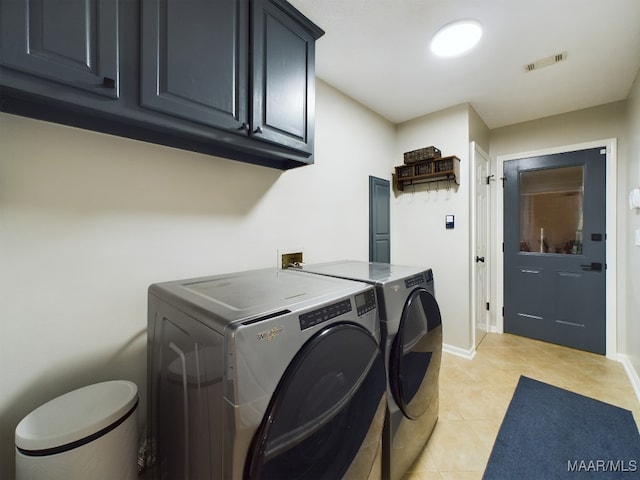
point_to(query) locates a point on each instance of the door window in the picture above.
(551, 210)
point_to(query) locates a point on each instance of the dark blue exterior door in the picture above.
(554, 248)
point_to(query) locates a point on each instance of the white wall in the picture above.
(630, 341)
(581, 126)
(88, 221)
(478, 130)
(418, 233)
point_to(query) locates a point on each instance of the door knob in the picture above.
(480, 259)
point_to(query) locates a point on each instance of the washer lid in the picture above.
(223, 299)
(76, 415)
(371, 272)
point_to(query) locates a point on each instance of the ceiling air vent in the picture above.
(545, 62)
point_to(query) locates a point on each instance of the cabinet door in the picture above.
(74, 42)
(194, 60)
(283, 75)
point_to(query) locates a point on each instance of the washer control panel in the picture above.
(413, 281)
(315, 317)
(365, 302)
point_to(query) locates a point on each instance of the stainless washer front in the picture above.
(265, 374)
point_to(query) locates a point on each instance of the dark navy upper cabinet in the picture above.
(74, 42)
(230, 78)
(283, 75)
(196, 65)
(195, 60)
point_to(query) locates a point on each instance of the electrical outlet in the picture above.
(291, 259)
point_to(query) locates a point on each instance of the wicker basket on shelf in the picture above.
(404, 171)
(427, 153)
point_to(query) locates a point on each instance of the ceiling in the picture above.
(377, 52)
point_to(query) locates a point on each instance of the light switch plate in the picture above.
(449, 222)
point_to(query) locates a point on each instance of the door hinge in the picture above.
(502, 247)
(503, 311)
(603, 151)
(487, 306)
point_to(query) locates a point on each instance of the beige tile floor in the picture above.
(475, 394)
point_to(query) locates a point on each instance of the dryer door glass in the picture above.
(415, 356)
(325, 418)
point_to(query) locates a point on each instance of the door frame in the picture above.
(474, 150)
(611, 145)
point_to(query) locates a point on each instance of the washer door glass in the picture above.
(326, 415)
(415, 356)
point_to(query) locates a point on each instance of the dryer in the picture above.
(411, 329)
(265, 374)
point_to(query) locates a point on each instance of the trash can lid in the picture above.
(76, 415)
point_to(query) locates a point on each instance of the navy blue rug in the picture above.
(551, 433)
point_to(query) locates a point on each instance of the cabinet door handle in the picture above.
(108, 82)
(480, 259)
(258, 130)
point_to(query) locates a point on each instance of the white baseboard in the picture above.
(632, 373)
(468, 354)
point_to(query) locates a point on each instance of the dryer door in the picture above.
(325, 418)
(416, 351)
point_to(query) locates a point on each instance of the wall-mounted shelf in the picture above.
(426, 171)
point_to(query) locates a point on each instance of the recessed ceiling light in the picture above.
(456, 38)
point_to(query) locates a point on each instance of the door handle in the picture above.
(108, 82)
(479, 259)
(595, 266)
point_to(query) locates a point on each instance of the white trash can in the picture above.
(89, 433)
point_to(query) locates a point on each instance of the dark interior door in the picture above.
(379, 220)
(554, 248)
(415, 356)
(328, 407)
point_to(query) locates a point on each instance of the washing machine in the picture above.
(412, 338)
(265, 374)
